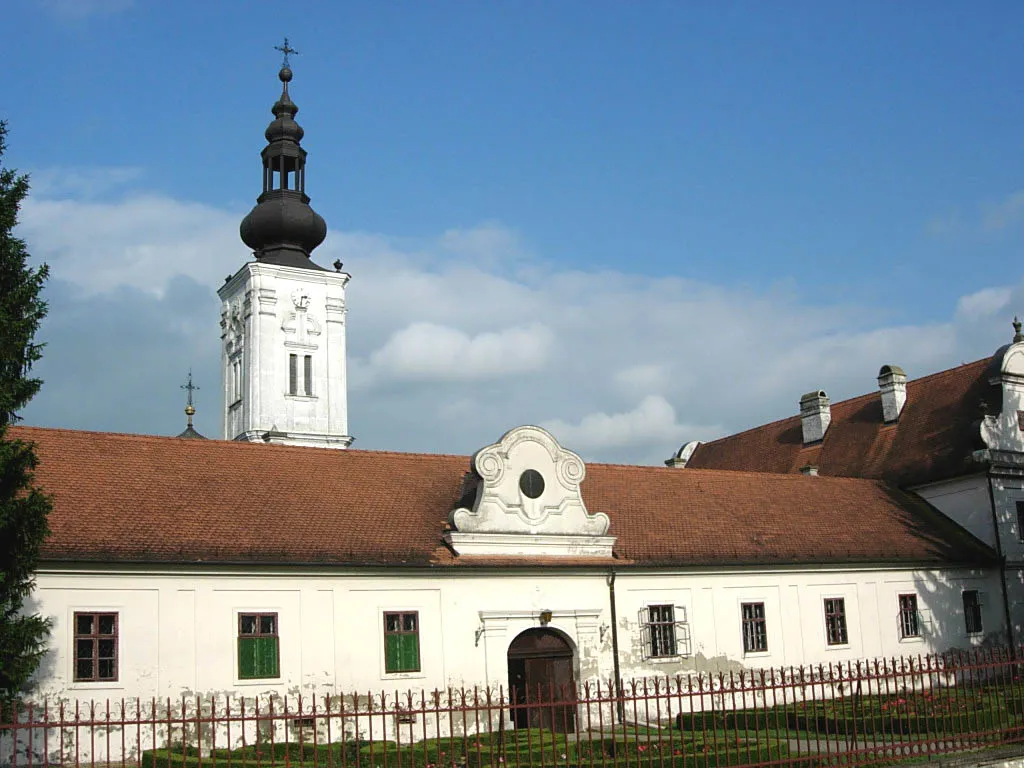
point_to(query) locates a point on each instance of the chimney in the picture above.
(815, 416)
(892, 383)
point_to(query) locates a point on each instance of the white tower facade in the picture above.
(283, 356)
(283, 316)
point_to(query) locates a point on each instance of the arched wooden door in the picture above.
(540, 681)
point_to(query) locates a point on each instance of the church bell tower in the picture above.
(283, 316)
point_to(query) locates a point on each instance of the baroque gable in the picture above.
(527, 501)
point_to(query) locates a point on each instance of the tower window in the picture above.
(293, 374)
(307, 375)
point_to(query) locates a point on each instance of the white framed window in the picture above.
(755, 627)
(912, 620)
(665, 631)
(307, 375)
(835, 621)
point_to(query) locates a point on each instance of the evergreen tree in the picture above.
(23, 508)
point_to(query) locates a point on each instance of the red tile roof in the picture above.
(933, 439)
(131, 498)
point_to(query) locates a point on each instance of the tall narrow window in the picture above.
(835, 621)
(257, 645)
(661, 628)
(972, 611)
(1020, 520)
(307, 375)
(910, 622)
(402, 642)
(755, 628)
(95, 647)
(293, 374)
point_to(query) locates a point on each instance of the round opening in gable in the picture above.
(531, 483)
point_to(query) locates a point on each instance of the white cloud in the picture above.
(141, 242)
(449, 347)
(81, 181)
(984, 303)
(653, 420)
(428, 351)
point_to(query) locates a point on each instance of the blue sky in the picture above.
(686, 213)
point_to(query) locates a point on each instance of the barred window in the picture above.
(661, 626)
(755, 627)
(835, 621)
(909, 620)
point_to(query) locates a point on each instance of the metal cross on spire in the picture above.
(286, 50)
(190, 387)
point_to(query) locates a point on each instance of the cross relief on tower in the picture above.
(300, 327)
(526, 500)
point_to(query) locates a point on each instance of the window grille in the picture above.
(664, 630)
(755, 627)
(835, 621)
(909, 617)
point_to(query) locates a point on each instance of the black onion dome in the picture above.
(283, 228)
(283, 218)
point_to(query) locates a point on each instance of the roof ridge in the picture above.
(221, 442)
(849, 400)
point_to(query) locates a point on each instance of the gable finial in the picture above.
(1017, 335)
(190, 388)
(286, 50)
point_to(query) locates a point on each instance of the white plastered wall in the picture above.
(178, 629)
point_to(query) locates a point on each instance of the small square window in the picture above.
(401, 642)
(258, 645)
(835, 621)
(755, 628)
(95, 647)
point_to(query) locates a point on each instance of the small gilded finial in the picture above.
(1017, 335)
(190, 410)
(190, 388)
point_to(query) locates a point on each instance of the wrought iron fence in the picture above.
(848, 714)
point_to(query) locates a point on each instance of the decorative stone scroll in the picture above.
(528, 502)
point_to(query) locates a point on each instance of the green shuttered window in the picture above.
(257, 646)
(402, 642)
